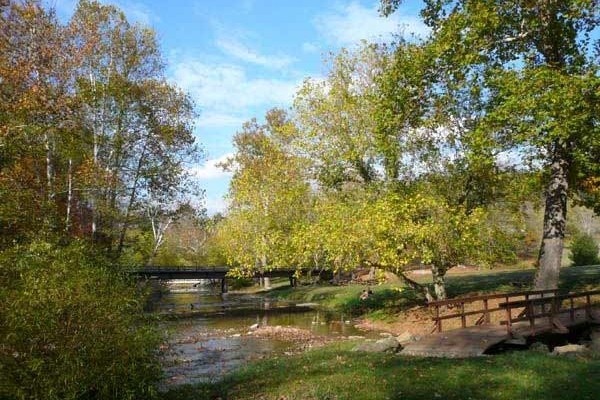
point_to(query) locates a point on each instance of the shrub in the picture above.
(70, 328)
(584, 250)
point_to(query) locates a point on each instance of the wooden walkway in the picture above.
(533, 316)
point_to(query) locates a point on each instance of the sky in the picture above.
(239, 58)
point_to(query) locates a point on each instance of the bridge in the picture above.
(478, 323)
(203, 272)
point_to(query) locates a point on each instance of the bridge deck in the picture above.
(202, 273)
(473, 341)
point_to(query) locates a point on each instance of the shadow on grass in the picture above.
(334, 373)
(571, 279)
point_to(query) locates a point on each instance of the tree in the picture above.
(91, 134)
(335, 118)
(268, 196)
(533, 67)
(393, 112)
(391, 230)
(35, 118)
(89, 127)
(139, 126)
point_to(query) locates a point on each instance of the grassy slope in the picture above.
(335, 372)
(386, 298)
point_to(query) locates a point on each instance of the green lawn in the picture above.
(335, 372)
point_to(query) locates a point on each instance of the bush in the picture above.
(584, 250)
(70, 328)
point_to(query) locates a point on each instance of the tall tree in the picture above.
(268, 195)
(90, 130)
(335, 116)
(534, 66)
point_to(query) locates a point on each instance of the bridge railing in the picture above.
(167, 268)
(550, 308)
(479, 307)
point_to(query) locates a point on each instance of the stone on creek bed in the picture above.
(282, 332)
(388, 344)
(570, 350)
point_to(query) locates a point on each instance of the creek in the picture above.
(210, 333)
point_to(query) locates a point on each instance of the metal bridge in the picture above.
(202, 272)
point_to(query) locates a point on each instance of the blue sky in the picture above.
(239, 58)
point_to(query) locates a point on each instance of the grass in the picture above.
(384, 302)
(335, 372)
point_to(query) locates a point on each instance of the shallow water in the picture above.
(210, 333)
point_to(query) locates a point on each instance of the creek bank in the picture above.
(234, 312)
(224, 332)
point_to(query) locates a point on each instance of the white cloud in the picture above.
(226, 95)
(216, 119)
(308, 47)
(353, 22)
(211, 169)
(215, 205)
(242, 52)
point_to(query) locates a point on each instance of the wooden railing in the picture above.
(484, 310)
(548, 307)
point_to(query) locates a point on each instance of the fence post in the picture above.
(588, 307)
(224, 287)
(508, 319)
(486, 311)
(463, 318)
(530, 311)
(438, 321)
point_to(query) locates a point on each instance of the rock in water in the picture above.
(406, 337)
(570, 349)
(253, 327)
(388, 344)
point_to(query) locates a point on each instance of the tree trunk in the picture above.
(438, 274)
(69, 195)
(423, 289)
(125, 226)
(371, 273)
(49, 167)
(555, 219)
(93, 193)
